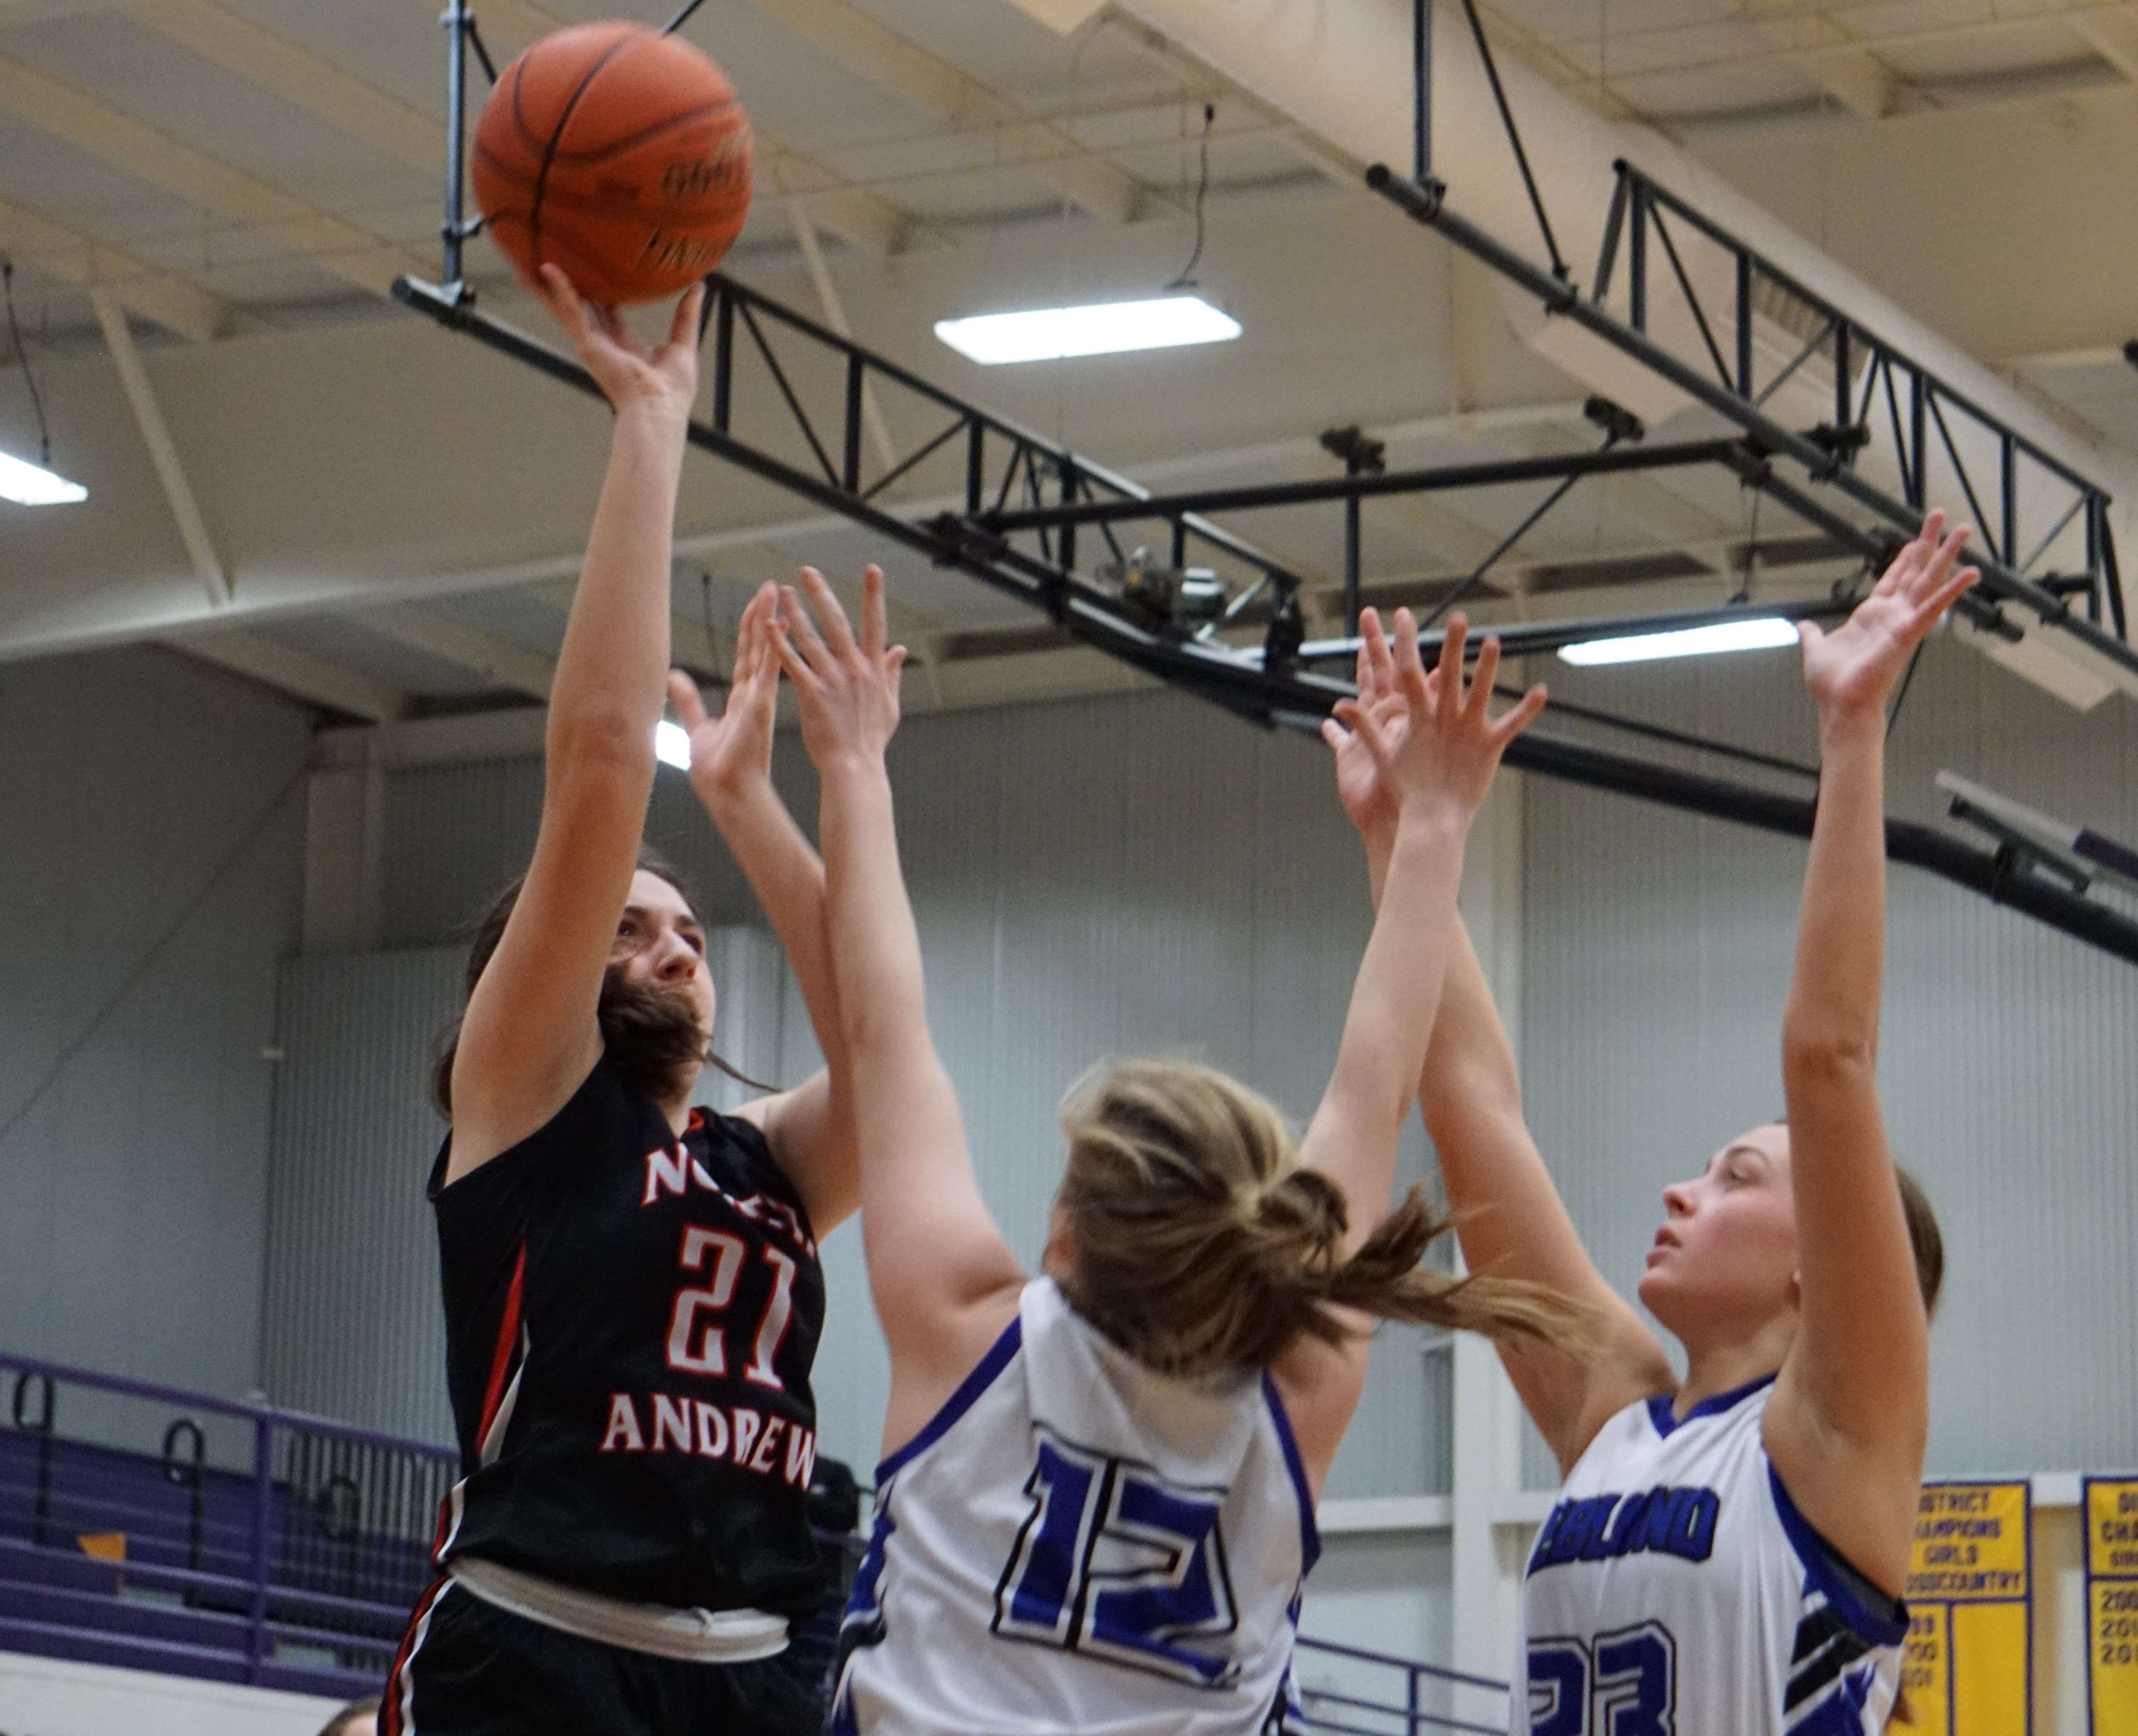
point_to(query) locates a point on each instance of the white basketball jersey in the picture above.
(1077, 1543)
(1676, 1588)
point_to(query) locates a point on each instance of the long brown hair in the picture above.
(1205, 1249)
(659, 1046)
(1925, 1240)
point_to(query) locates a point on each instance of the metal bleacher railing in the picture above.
(263, 1546)
(257, 1546)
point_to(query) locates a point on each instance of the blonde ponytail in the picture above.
(1203, 1249)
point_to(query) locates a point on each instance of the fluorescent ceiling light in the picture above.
(31, 485)
(671, 745)
(1048, 334)
(1763, 632)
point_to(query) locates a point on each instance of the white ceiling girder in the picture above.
(343, 248)
(292, 670)
(1856, 78)
(312, 82)
(2113, 35)
(163, 449)
(499, 661)
(862, 43)
(170, 300)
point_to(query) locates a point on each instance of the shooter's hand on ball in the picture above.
(664, 378)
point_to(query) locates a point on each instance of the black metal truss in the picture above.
(1917, 404)
(1000, 458)
(1008, 534)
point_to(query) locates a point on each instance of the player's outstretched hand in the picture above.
(628, 373)
(847, 689)
(732, 751)
(1369, 803)
(1851, 670)
(1443, 763)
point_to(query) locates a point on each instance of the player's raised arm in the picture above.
(1437, 768)
(1846, 1426)
(1435, 761)
(529, 1036)
(1508, 1213)
(810, 1128)
(943, 1279)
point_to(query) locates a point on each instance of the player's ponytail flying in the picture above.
(1205, 1249)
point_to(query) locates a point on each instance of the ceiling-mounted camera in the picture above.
(1167, 599)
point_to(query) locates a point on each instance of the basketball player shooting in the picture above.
(633, 1293)
(1729, 1549)
(1096, 1505)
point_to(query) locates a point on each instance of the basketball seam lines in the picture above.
(557, 133)
(586, 159)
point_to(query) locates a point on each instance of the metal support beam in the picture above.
(1427, 205)
(173, 302)
(344, 249)
(296, 75)
(1365, 485)
(1238, 680)
(498, 661)
(860, 41)
(163, 449)
(296, 672)
(1856, 78)
(2114, 37)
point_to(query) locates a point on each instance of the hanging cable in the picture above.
(1751, 555)
(1186, 279)
(15, 336)
(1901, 698)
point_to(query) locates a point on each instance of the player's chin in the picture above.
(1660, 1288)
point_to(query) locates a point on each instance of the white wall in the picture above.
(151, 825)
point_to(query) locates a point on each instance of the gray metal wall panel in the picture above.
(1658, 947)
(1101, 878)
(151, 833)
(353, 1327)
(456, 833)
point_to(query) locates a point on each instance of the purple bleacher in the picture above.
(298, 1573)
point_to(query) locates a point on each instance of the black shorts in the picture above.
(468, 1668)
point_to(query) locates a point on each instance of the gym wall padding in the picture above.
(135, 784)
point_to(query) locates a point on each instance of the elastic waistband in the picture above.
(691, 1636)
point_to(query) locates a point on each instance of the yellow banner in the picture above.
(2111, 1603)
(1969, 1666)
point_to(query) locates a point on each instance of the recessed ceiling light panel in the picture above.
(1106, 327)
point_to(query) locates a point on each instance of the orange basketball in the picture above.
(617, 152)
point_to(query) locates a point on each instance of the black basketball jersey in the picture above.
(630, 1323)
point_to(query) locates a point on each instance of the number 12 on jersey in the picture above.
(1623, 1684)
(1115, 1562)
